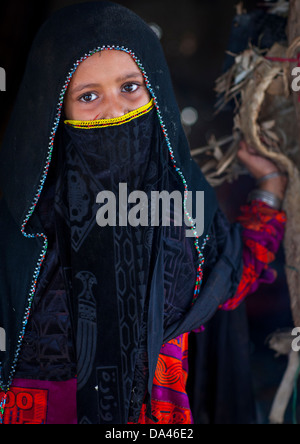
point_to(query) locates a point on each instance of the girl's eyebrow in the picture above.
(129, 76)
(83, 86)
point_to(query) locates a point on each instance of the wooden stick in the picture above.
(285, 390)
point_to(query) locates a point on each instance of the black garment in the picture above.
(69, 36)
(220, 386)
(48, 352)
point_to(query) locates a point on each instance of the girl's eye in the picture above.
(130, 87)
(89, 97)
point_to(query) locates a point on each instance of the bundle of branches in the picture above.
(267, 114)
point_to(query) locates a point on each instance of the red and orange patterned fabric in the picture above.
(170, 404)
(40, 402)
(262, 236)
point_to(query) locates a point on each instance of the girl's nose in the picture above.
(112, 108)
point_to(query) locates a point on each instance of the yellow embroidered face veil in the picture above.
(116, 121)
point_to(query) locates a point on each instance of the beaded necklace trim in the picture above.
(5, 388)
(87, 124)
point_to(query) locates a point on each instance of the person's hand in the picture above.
(259, 166)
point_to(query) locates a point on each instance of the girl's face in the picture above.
(108, 84)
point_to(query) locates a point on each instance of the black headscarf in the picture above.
(68, 38)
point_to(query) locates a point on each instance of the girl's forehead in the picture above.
(106, 63)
